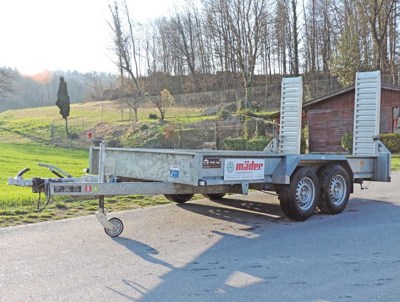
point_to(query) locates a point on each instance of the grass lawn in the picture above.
(18, 205)
(396, 162)
(33, 124)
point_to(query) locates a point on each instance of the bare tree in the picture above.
(242, 26)
(95, 84)
(126, 50)
(163, 102)
(295, 35)
(379, 13)
(7, 77)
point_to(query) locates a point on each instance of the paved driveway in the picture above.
(239, 249)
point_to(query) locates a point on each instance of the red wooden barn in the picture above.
(331, 116)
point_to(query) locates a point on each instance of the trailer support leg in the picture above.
(245, 188)
(101, 215)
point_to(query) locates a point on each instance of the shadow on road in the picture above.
(142, 250)
(275, 263)
(232, 209)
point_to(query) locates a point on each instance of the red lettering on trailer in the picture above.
(247, 165)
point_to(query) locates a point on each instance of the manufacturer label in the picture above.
(212, 163)
(243, 169)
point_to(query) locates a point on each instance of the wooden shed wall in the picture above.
(329, 119)
(327, 122)
(389, 99)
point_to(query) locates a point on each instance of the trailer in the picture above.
(303, 182)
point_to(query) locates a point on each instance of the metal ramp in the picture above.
(291, 108)
(367, 105)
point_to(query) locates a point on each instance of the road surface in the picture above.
(239, 249)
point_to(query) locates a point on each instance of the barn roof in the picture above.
(342, 91)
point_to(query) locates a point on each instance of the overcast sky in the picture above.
(39, 35)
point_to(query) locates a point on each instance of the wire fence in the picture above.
(196, 135)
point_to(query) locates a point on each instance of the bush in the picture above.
(347, 142)
(231, 107)
(224, 114)
(144, 127)
(304, 141)
(114, 143)
(235, 143)
(153, 116)
(73, 135)
(391, 141)
(258, 143)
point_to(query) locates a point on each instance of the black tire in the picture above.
(119, 227)
(299, 199)
(215, 196)
(335, 189)
(179, 198)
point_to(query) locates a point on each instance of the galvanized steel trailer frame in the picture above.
(303, 181)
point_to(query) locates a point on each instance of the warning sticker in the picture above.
(174, 171)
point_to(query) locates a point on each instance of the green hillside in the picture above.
(25, 137)
(34, 124)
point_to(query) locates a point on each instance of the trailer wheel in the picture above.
(335, 189)
(179, 198)
(215, 196)
(119, 227)
(299, 199)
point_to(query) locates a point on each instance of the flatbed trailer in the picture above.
(302, 181)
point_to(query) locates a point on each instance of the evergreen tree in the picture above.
(63, 101)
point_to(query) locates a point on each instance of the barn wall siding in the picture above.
(330, 118)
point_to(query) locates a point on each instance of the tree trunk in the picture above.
(66, 127)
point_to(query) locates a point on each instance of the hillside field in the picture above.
(33, 124)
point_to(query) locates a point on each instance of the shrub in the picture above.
(169, 131)
(391, 141)
(235, 143)
(73, 135)
(144, 127)
(258, 143)
(304, 141)
(224, 114)
(231, 107)
(153, 116)
(249, 127)
(347, 142)
(114, 143)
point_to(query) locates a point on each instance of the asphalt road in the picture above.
(239, 249)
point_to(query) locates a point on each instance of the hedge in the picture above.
(391, 141)
(235, 143)
(240, 143)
